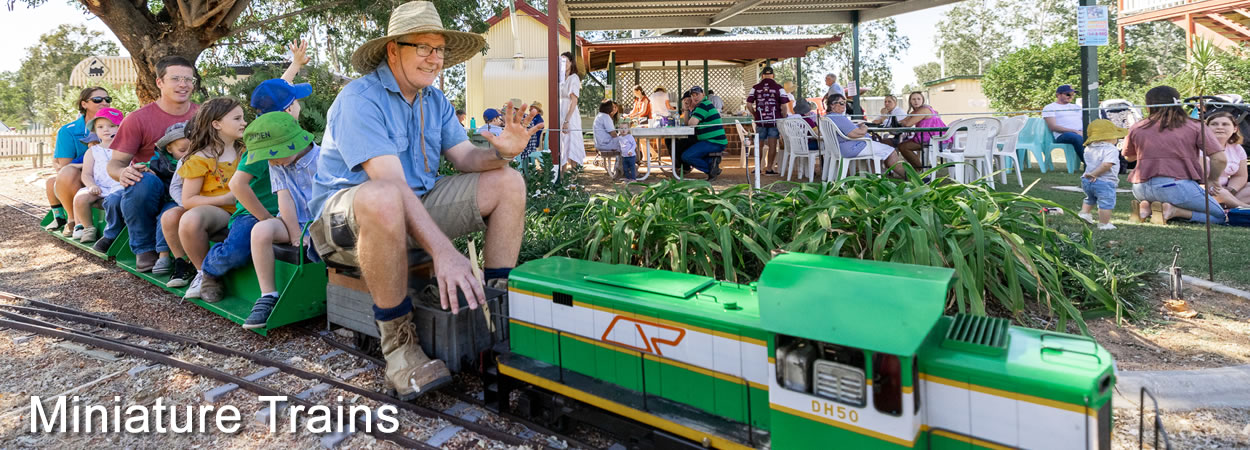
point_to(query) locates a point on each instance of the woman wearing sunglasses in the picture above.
(68, 154)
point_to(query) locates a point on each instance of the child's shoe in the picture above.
(182, 273)
(78, 230)
(89, 235)
(193, 291)
(69, 229)
(164, 265)
(1106, 226)
(1087, 217)
(260, 312)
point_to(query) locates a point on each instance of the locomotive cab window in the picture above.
(825, 370)
(887, 384)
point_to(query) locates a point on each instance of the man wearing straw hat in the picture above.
(377, 184)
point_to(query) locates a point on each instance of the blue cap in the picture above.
(1064, 88)
(278, 94)
(490, 114)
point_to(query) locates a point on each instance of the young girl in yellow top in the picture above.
(215, 154)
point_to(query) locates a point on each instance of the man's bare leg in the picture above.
(383, 264)
(501, 199)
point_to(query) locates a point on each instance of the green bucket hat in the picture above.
(274, 135)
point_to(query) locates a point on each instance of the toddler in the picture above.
(1102, 168)
(97, 183)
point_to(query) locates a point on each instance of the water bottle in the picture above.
(473, 124)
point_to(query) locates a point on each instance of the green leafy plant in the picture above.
(999, 243)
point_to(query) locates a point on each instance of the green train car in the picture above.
(821, 352)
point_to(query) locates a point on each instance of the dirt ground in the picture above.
(36, 265)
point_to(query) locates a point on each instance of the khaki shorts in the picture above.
(452, 204)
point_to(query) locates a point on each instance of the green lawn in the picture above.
(1147, 246)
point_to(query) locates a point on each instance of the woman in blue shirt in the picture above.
(849, 148)
(68, 153)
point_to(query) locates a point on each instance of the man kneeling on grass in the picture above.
(292, 157)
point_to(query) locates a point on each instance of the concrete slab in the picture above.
(1184, 390)
(214, 394)
(442, 436)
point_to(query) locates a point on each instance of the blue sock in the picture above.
(388, 314)
(491, 274)
(58, 212)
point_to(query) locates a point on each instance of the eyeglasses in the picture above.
(184, 80)
(425, 50)
(104, 99)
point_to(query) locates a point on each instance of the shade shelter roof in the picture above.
(653, 14)
(737, 49)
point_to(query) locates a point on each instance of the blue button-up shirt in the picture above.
(370, 118)
(297, 179)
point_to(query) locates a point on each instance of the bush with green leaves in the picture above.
(999, 244)
(1025, 80)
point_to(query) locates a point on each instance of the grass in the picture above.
(1146, 246)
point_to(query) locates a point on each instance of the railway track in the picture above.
(22, 206)
(187, 353)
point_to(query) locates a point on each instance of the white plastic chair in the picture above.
(796, 132)
(975, 147)
(748, 140)
(830, 134)
(1007, 135)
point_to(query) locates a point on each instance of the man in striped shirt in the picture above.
(710, 132)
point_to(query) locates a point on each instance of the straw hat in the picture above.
(417, 17)
(1104, 130)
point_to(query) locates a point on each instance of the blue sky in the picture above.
(24, 25)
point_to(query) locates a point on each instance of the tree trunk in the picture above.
(150, 37)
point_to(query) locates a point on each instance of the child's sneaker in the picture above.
(69, 229)
(1106, 226)
(260, 312)
(182, 273)
(1087, 217)
(78, 230)
(89, 235)
(193, 291)
(164, 265)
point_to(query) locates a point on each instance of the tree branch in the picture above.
(201, 19)
(234, 13)
(249, 27)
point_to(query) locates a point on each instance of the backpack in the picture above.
(1239, 217)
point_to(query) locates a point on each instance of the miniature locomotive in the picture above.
(821, 352)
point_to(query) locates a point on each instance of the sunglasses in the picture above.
(839, 103)
(105, 99)
(1069, 94)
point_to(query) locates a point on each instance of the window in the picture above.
(915, 383)
(887, 384)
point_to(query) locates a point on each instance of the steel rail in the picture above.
(77, 317)
(150, 355)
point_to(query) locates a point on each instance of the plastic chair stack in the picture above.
(1006, 157)
(976, 146)
(796, 132)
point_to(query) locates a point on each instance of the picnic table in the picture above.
(660, 132)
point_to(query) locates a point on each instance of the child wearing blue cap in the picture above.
(255, 201)
(494, 122)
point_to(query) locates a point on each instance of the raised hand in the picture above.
(299, 52)
(515, 134)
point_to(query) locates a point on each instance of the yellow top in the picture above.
(216, 175)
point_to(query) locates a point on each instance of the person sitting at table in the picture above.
(920, 115)
(803, 110)
(709, 133)
(850, 148)
(608, 138)
(892, 115)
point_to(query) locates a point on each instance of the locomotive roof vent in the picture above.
(978, 334)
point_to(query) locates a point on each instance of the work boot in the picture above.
(408, 370)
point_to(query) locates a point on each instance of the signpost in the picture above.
(1092, 30)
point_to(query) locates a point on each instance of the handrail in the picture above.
(1141, 421)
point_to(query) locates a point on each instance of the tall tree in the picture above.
(152, 29)
(972, 35)
(881, 47)
(928, 71)
(44, 73)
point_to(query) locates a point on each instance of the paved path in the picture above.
(1182, 390)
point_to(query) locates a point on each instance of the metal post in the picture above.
(798, 77)
(679, 91)
(706, 86)
(855, 53)
(573, 37)
(553, 75)
(612, 75)
(1089, 78)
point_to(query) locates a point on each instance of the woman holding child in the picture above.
(1232, 183)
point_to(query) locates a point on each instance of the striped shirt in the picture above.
(710, 127)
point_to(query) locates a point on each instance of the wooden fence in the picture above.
(36, 144)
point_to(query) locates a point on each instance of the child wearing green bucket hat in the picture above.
(292, 154)
(1102, 168)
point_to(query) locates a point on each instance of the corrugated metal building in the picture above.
(492, 78)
